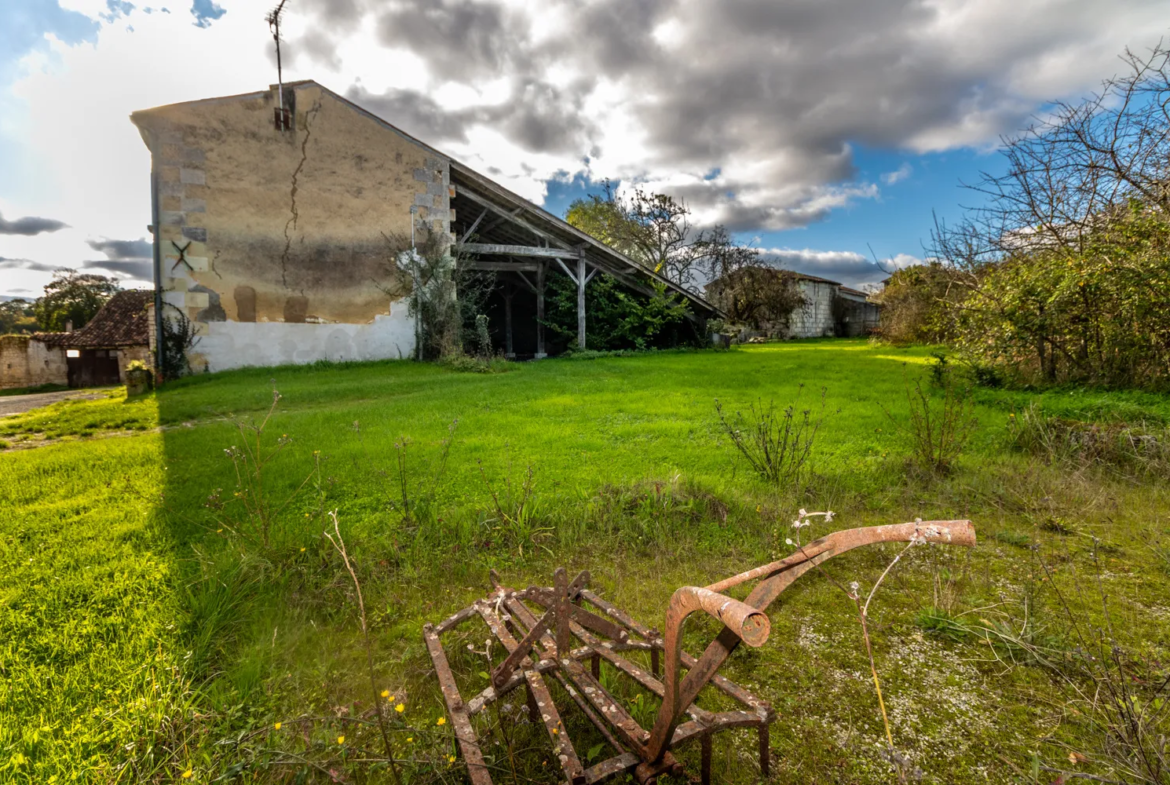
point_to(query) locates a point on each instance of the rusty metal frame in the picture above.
(539, 643)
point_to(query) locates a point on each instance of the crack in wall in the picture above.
(292, 221)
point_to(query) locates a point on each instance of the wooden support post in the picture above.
(580, 298)
(509, 352)
(705, 759)
(541, 273)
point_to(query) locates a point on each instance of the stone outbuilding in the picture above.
(116, 336)
(94, 356)
(829, 309)
(271, 213)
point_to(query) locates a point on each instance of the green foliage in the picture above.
(654, 230)
(919, 304)
(1098, 314)
(17, 316)
(74, 297)
(616, 318)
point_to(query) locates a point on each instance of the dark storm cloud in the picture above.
(772, 94)
(30, 226)
(121, 249)
(126, 259)
(460, 39)
(541, 118)
(27, 264)
(132, 269)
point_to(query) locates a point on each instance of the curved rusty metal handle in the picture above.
(752, 626)
(777, 576)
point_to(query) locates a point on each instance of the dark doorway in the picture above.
(93, 367)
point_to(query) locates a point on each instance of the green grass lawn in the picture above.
(140, 640)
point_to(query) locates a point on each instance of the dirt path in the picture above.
(17, 404)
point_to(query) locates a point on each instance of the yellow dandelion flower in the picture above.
(341, 740)
(187, 774)
(385, 693)
(302, 550)
(399, 708)
(441, 721)
(276, 726)
(410, 739)
(450, 758)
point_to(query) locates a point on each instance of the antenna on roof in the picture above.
(283, 121)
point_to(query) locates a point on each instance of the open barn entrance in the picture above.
(523, 245)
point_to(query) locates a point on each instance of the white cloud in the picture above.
(898, 175)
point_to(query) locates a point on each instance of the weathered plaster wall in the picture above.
(27, 362)
(815, 318)
(272, 241)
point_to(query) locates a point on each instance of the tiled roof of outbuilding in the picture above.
(123, 321)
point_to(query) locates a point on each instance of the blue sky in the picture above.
(816, 130)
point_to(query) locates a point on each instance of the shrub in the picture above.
(616, 318)
(938, 430)
(776, 446)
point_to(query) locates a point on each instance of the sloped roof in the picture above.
(123, 321)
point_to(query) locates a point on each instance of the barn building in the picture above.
(271, 213)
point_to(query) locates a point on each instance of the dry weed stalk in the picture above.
(339, 544)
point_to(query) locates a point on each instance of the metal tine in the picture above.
(597, 695)
(460, 719)
(562, 746)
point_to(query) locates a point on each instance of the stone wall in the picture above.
(27, 362)
(815, 318)
(272, 242)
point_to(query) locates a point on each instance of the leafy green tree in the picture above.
(74, 297)
(655, 231)
(17, 316)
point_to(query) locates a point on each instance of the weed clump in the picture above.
(777, 445)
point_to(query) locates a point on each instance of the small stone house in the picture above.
(271, 213)
(94, 356)
(829, 309)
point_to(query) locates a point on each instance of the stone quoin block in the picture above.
(170, 188)
(422, 175)
(198, 263)
(192, 176)
(194, 205)
(424, 200)
(171, 203)
(195, 191)
(169, 218)
(168, 174)
(197, 233)
(193, 155)
(170, 154)
(196, 299)
(436, 189)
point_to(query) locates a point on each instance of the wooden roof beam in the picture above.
(515, 250)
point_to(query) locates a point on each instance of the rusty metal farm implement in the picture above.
(565, 631)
